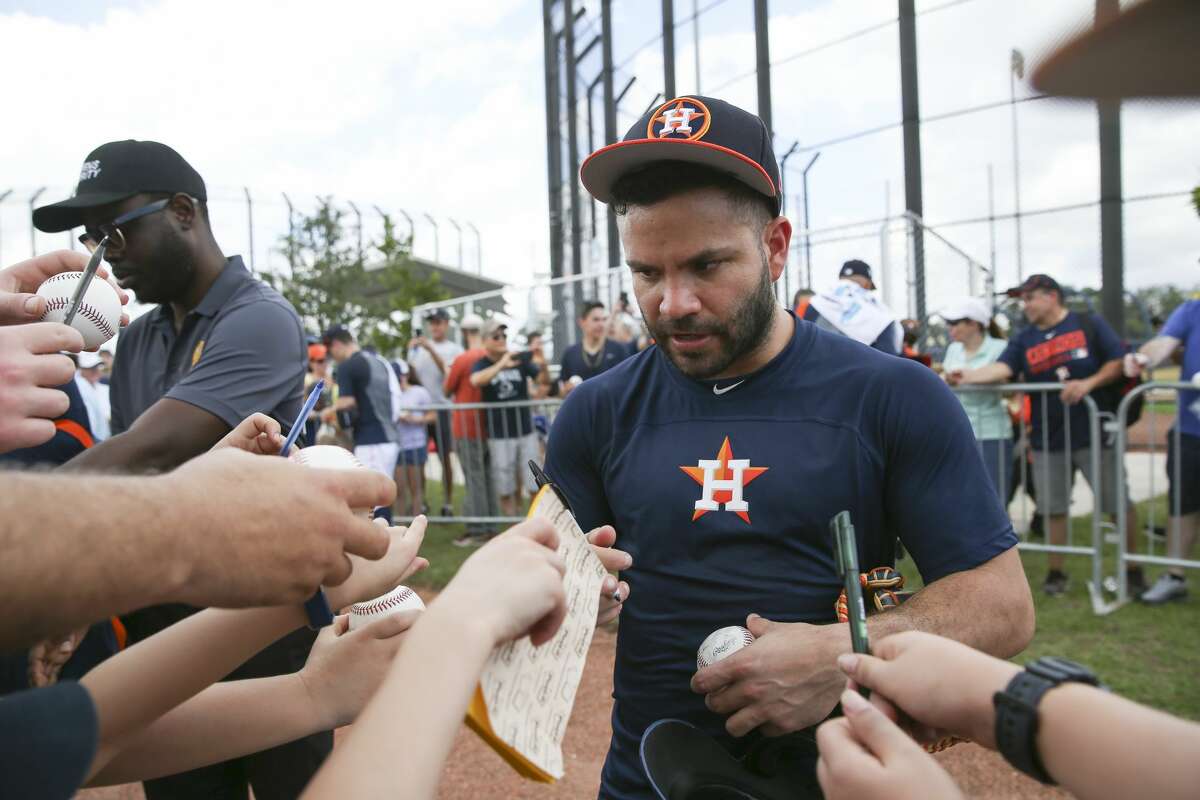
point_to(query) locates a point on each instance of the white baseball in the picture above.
(99, 313)
(328, 456)
(397, 600)
(721, 644)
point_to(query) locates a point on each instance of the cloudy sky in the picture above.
(438, 108)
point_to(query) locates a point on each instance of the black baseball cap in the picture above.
(1036, 282)
(856, 267)
(698, 130)
(438, 314)
(332, 331)
(116, 171)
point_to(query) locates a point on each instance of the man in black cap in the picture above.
(220, 346)
(431, 358)
(721, 454)
(852, 310)
(1083, 353)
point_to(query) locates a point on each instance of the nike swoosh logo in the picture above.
(720, 390)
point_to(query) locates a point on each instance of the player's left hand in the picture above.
(864, 755)
(370, 579)
(613, 591)
(1074, 391)
(788, 679)
(257, 434)
(345, 667)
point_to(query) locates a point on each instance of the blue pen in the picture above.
(298, 425)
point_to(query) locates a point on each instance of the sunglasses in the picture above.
(110, 233)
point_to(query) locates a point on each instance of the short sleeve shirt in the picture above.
(986, 411)
(1057, 354)
(724, 502)
(366, 380)
(427, 371)
(241, 350)
(576, 362)
(509, 386)
(1184, 325)
(413, 436)
(468, 423)
(48, 738)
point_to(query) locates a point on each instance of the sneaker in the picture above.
(469, 540)
(1135, 581)
(1168, 587)
(1055, 583)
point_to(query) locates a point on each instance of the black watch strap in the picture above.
(1017, 710)
(318, 610)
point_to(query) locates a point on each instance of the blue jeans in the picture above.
(997, 460)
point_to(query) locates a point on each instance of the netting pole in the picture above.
(912, 145)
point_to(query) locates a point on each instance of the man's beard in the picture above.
(169, 276)
(746, 330)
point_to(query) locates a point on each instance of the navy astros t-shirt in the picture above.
(723, 491)
(1054, 355)
(509, 386)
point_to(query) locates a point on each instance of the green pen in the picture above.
(846, 550)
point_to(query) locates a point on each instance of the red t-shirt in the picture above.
(466, 424)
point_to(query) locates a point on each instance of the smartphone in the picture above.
(416, 332)
(525, 356)
(846, 550)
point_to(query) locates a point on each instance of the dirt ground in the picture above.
(474, 772)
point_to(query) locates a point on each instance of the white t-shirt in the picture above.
(412, 435)
(95, 400)
(430, 377)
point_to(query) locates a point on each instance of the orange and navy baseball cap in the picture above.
(1038, 281)
(698, 130)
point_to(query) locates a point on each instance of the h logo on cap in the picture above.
(683, 117)
(90, 169)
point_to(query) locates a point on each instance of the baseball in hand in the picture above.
(721, 644)
(99, 313)
(397, 600)
(328, 456)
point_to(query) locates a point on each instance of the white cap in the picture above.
(967, 308)
(89, 360)
(471, 322)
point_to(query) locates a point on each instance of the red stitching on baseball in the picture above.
(86, 309)
(375, 606)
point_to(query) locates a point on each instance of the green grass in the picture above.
(1148, 654)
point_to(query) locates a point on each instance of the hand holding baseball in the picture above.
(18, 283)
(345, 667)
(511, 586)
(31, 366)
(865, 756)
(932, 685)
(786, 680)
(369, 579)
(268, 531)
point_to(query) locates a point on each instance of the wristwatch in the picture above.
(1016, 710)
(318, 610)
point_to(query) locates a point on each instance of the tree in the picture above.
(330, 284)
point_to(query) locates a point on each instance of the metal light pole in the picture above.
(250, 224)
(591, 141)
(437, 244)
(1112, 233)
(807, 235)
(33, 230)
(553, 165)
(291, 250)
(668, 40)
(1016, 70)
(763, 64)
(358, 230)
(478, 248)
(458, 230)
(610, 122)
(913, 186)
(991, 229)
(787, 283)
(696, 41)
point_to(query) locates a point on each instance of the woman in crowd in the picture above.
(976, 341)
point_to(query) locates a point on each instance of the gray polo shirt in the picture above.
(241, 350)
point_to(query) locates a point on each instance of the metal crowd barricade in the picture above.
(1020, 455)
(481, 422)
(1174, 522)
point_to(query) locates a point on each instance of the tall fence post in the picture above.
(554, 167)
(1112, 234)
(668, 47)
(33, 230)
(357, 231)
(250, 224)
(291, 248)
(763, 64)
(478, 248)
(911, 106)
(610, 122)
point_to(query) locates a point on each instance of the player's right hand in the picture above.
(264, 531)
(31, 364)
(932, 685)
(513, 585)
